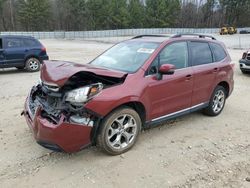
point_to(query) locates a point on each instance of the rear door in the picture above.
(14, 51)
(205, 71)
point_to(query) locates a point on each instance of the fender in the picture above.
(103, 106)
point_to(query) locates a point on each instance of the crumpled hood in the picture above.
(58, 72)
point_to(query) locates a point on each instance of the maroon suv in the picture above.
(136, 84)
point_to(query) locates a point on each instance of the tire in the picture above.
(114, 138)
(32, 64)
(217, 102)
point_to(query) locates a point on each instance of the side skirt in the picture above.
(156, 121)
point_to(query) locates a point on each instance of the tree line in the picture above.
(79, 15)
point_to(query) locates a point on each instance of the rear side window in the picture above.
(1, 44)
(30, 42)
(218, 51)
(201, 53)
(13, 43)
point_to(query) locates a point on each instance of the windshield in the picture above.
(127, 56)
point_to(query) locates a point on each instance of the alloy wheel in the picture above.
(218, 101)
(122, 131)
(33, 64)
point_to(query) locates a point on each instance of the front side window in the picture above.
(175, 54)
(126, 56)
(13, 43)
(201, 53)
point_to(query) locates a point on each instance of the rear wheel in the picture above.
(32, 64)
(217, 102)
(119, 131)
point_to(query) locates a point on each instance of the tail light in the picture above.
(244, 55)
(43, 49)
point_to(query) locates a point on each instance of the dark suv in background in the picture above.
(22, 52)
(245, 62)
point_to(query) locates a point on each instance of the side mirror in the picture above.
(167, 69)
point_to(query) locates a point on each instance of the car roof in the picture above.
(16, 36)
(163, 38)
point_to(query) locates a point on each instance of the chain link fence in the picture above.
(114, 36)
(110, 33)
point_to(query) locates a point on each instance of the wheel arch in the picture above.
(31, 56)
(135, 105)
(226, 86)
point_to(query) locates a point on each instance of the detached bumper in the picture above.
(64, 136)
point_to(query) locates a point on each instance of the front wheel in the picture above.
(119, 131)
(217, 102)
(32, 64)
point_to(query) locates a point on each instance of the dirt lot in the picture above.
(191, 151)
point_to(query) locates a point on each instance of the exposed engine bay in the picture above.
(69, 99)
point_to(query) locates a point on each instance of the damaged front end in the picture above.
(57, 114)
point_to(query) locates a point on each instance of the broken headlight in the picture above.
(83, 94)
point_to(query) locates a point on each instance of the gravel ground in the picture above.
(191, 151)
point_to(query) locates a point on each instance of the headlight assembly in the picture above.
(83, 94)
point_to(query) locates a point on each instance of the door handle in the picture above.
(188, 77)
(215, 69)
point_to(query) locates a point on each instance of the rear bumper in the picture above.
(64, 136)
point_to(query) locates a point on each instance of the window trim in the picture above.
(188, 59)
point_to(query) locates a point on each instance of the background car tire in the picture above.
(217, 102)
(119, 131)
(32, 64)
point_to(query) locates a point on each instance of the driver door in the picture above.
(173, 93)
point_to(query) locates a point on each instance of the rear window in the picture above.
(201, 53)
(218, 51)
(30, 42)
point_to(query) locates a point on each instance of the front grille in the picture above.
(49, 101)
(247, 63)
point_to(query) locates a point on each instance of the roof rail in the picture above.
(197, 35)
(141, 36)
